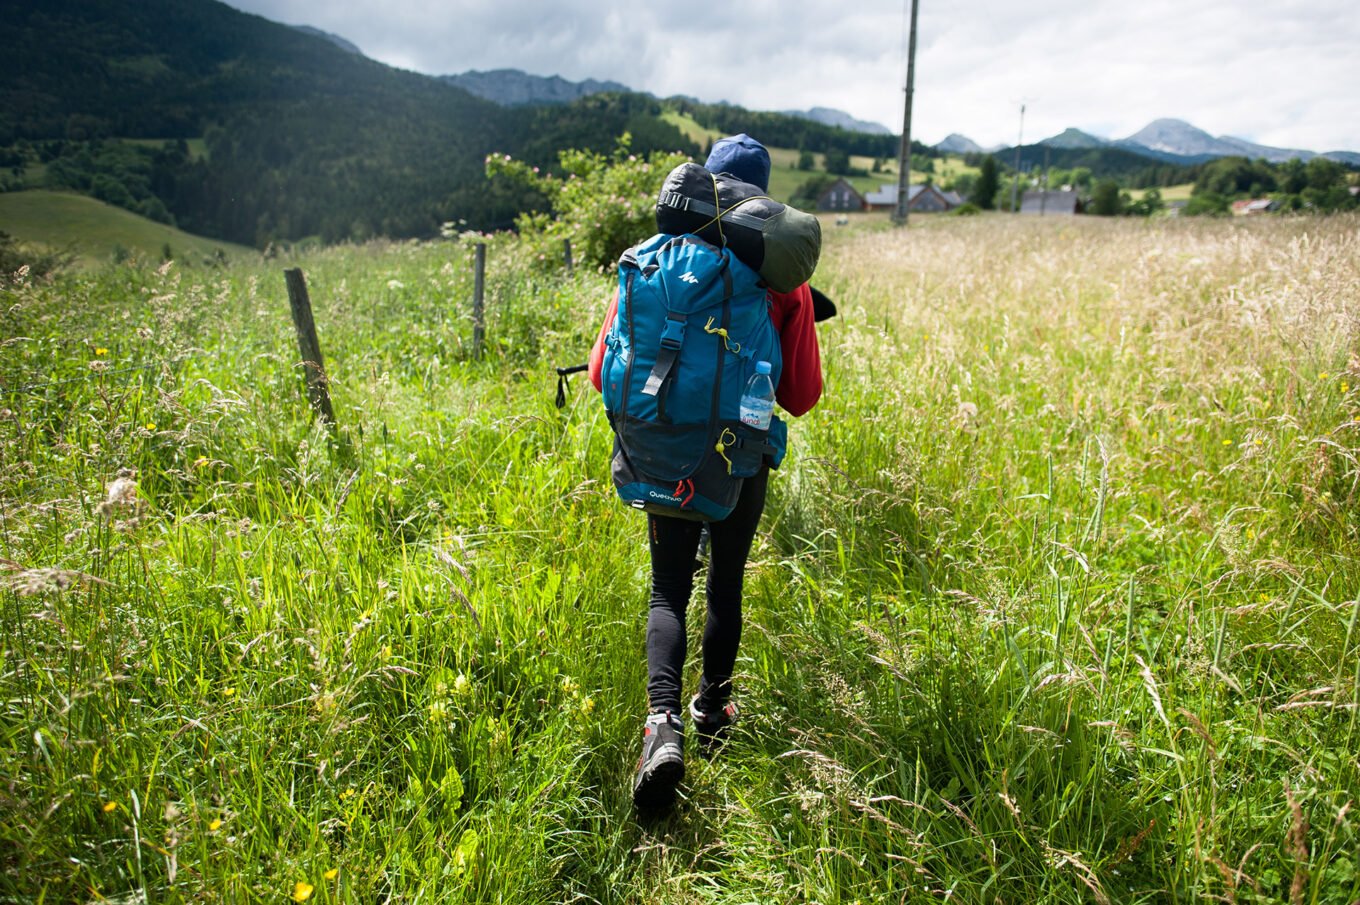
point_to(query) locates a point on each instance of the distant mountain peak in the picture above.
(959, 144)
(1074, 138)
(1175, 136)
(828, 116)
(514, 87)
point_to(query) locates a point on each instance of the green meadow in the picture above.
(95, 233)
(1055, 599)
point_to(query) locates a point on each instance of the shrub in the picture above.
(602, 204)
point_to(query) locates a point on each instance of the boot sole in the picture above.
(657, 781)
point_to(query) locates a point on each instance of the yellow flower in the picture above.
(101, 351)
(332, 873)
(1227, 443)
(229, 692)
(1345, 387)
(151, 426)
(1324, 375)
(215, 825)
(302, 891)
(1258, 441)
(201, 462)
(110, 806)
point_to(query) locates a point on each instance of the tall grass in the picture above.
(1055, 599)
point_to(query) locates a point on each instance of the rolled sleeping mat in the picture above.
(779, 242)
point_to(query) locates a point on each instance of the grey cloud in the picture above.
(1279, 74)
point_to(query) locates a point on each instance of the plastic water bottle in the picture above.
(757, 402)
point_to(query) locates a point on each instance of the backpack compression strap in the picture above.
(673, 337)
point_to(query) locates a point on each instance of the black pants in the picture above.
(674, 543)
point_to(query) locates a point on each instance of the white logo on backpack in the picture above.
(689, 277)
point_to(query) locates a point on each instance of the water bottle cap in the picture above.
(763, 367)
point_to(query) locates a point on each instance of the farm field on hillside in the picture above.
(1055, 599)
(96, 232)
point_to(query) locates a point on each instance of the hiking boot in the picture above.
(662, 764)
(711, 724)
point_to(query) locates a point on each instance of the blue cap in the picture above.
(743, 157)
(763, 367)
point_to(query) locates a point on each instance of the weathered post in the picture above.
(478, 291)
(566, 254)
(318, 393)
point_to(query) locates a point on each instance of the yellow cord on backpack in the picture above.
(725, 439)
(717, 205)
(722, 331)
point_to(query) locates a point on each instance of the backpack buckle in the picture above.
(673, 333)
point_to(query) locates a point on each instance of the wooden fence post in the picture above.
(478, 292)
(318, 393)
(566, 254)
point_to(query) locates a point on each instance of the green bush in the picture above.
(603, 205)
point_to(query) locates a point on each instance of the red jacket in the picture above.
(800, 380)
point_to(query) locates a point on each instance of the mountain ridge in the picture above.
(1177, 141)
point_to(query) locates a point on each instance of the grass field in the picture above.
(785, 178)
(95, 232)
(1169, 193)
(1055, 599)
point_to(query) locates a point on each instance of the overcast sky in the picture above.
(1284, 73)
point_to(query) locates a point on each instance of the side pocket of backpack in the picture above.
(778, 438)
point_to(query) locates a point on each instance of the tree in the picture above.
(1149, 204)
(1105, 200)
(986, 184)
(805, 160)
(837, 161)
(805, 196)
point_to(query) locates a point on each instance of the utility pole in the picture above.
(1019, 139)
(904, 156)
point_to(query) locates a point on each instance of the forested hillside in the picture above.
(300, 138)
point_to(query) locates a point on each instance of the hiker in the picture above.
(673, 541)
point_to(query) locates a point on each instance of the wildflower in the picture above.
(122, 494)
(1345, 387)
(332, 873)
(347, 794)
(965, 416)
(215, 825)
(110, 807)
(229, 692)
(100, 350)
(1227, 443)
(588, 705)
(201, 462)
(1324, 375)
(462, 686)
(151, 426)
(302, 891)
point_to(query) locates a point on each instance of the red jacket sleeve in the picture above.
(597, 351)
(800, 381)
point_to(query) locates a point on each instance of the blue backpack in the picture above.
(692, 322)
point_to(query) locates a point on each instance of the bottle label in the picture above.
(756, 412)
